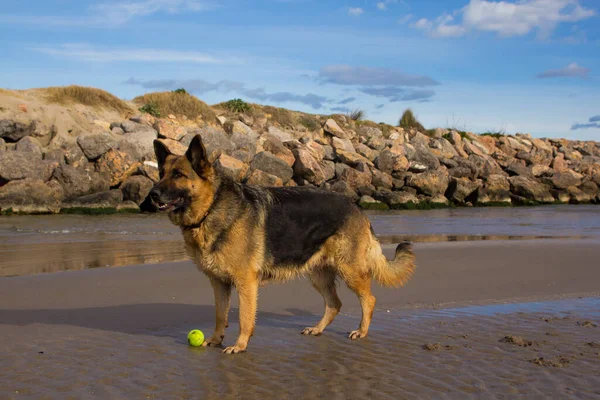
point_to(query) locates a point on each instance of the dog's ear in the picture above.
(162, 152)
(196, 155)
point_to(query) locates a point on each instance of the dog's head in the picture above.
(186, 185)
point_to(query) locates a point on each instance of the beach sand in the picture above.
(121, 332)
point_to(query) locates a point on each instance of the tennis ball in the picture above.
(195, 338)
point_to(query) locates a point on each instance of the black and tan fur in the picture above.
(241, 235)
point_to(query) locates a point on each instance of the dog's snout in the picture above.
(154, 194)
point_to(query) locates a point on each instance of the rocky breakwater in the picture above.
(113, 168)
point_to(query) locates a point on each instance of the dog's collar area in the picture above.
(196, 225)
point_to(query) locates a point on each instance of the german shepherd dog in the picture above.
(241, 235)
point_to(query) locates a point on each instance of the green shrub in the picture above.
(409, 121)
(309, 123)
(496, 135)
(237, 106)
(177, 104)
(180, 91)
(150, 108)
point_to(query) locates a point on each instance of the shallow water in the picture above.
(51, 243)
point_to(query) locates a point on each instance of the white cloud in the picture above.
(507, 18)
(356, 11)
(405, 19)
(382, 5)
(572, 70)
(113, 13)
(87, 53)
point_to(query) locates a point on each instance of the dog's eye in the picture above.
(177, 174)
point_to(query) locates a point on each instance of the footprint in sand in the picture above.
(587, 324)
(437, 347)
(516, 340)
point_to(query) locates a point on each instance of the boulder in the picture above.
(559, 164)
(369, 203)
(31, 195)
(136, 188)
(518, 169)
(578, 196)
(328, 168)
(261, 178)
(439, 199)
(96, 144)
(215, 142)
(131, 126)
(245, 142)
(174, 146)
(267, 162)
(390, 161)
(382, 180)
(530, 189)
(563, 180)
(149, 169)
(459, 189)
(2, 144)
(496, 189)
(139, 144)
(366, 152)
(13, 131)
(117, 165)
(169, 130)
(344, 188)
(110, 198)
(329, 153)
(355, 177)
(231, 167)
(485, 166)
(377, 143)
(275, 146)
(424, 157)
(342, 144)
(429, 182)
(307, 167)
(16, 165)
(399, 200)
(334, 129)
(352, 158)
(29, 145)
(80, 181)
(280, 134)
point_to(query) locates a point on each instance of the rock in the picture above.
(591, 189)
(442, 149)
(16, 165)
(539, 170)
(267, 162)
(110, 198)
(368, 203)
(139, 144)
(570, 154)
(459, 189)
(149, 169)
(29, 145)
(145, 119)
(31, 196)
(517, 169)
(382, 180)
(489, 143)
(79, 181)
(399, 200)
(329, 153)
(231, 167)
(117, 165)
(130, 126)
(439, 199)
(94, 145)
(356, 177)
(280, 134)
(352, 159)
(563, 180)
(169, 130)
(261, 178)
(128, 206)
(424, 157)
(559, 164)
(496, 190)
(275, 146)
(2, 144)
(430, 182)
(377, 143)
(485, 166)
(530, 189)
(245, 145)
(136, 188)
(334, 129)
(366, 152)
(215, 142)
(342, 144)
(12, 131)
(578, 196)
(369, 132)
(174, 146)
(344, 188)
(307, 167)
(561, 196)
(328, 168)
(390, 161)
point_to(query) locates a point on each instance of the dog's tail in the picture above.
(393, 273)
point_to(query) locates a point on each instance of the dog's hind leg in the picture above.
(323, 280)
(361, 285)
(222, 302)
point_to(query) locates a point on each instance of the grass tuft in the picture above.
(237, 106)
(87, 96)
(409, 121)
(177, 103)
(357, 115)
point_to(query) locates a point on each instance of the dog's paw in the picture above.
(358, 334)
(213, 341)
(234, 349)
(311, 330)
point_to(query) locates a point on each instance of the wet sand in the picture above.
(120, 333)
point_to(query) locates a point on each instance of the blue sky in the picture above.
(520, 66)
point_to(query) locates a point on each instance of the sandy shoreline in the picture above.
(120, 332)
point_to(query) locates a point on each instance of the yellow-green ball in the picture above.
(195, 338)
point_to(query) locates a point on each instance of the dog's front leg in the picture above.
(247, 288)
(222, 299)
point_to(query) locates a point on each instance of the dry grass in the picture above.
(87, 96)
(409, 121)
(283, 117)
(177, 104)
